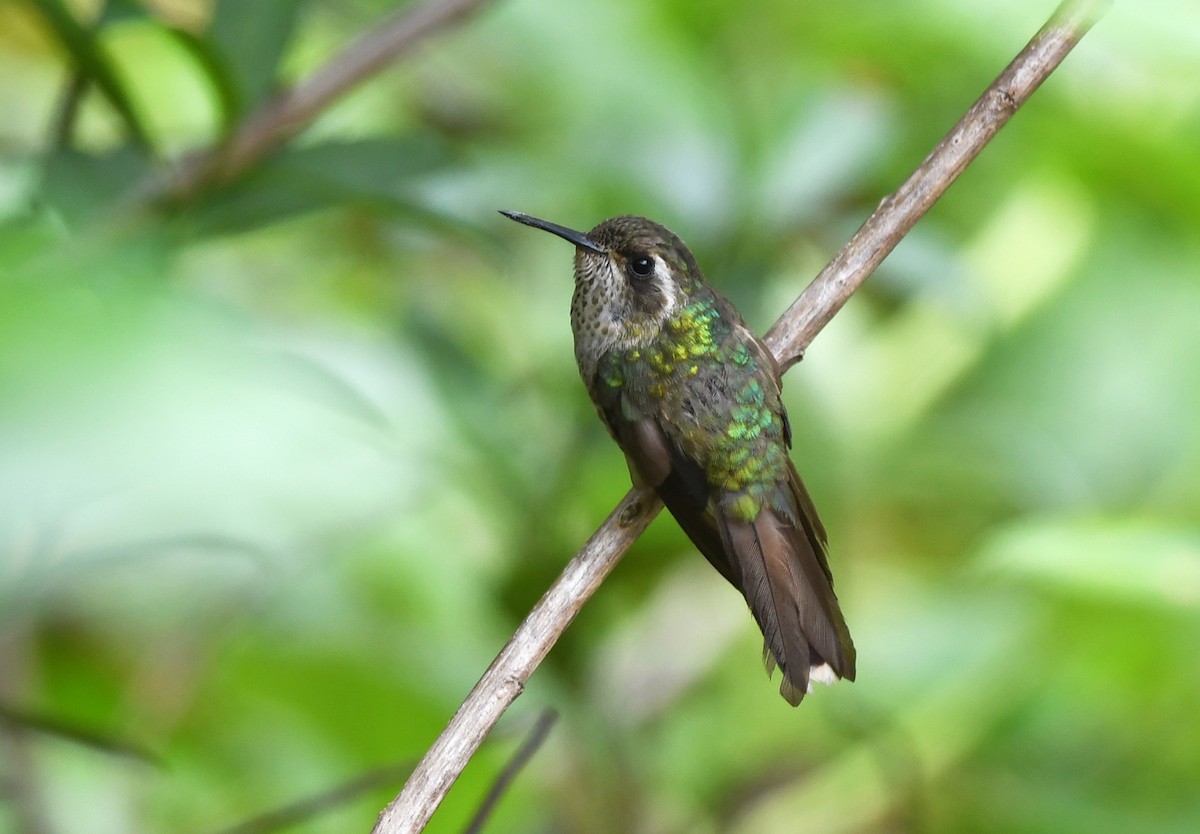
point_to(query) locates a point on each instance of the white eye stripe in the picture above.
(671, 289)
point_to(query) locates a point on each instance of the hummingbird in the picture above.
(692, 397)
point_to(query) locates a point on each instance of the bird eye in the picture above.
(641, 266)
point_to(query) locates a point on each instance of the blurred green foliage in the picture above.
(282, 465)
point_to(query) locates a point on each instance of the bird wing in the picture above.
(777, 560)
(655, 461)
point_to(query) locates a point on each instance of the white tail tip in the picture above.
(821, 674)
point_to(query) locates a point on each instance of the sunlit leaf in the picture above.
(219, 74)
(1101, 558)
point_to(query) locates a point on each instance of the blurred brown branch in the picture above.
(305, 809)
(816, 306)
(295, 108)
(77, 733)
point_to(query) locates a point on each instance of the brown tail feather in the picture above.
(778, 563)
(786, 585)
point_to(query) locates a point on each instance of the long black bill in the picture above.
(578, 238)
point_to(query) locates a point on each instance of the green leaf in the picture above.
(91, 62)
(251, 39)
(372, 173)
(77, 185)
(118, 11)
(380, 169)
(211, 62)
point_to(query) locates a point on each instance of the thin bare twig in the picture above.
(524, 753)
(295, 108)
(505, 678)
(309, 807)
(77, 733)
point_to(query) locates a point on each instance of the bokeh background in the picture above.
(283, 464)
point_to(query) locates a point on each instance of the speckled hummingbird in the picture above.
(693, 399)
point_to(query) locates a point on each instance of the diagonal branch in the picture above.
(505, 678)
(899, 212)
